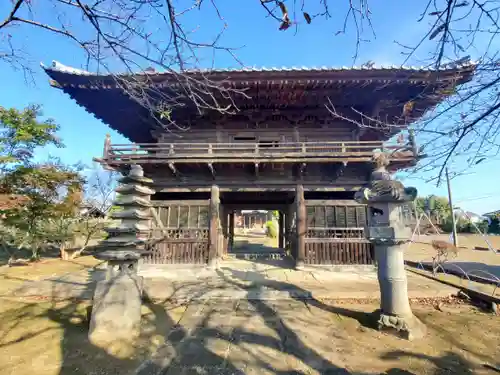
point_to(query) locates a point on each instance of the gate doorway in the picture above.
(255, 226)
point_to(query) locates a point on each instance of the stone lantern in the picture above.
(388, 232)
(116, 310)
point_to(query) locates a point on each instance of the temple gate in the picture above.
(281, 150)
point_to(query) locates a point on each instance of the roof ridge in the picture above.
(58, 67)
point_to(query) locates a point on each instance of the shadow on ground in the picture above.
(247, 336)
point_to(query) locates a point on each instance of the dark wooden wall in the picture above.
(275, 128)
(331, 232)
(184, 227)
(335, 233)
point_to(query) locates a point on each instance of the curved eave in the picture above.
(101, 96)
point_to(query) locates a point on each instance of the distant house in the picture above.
(492, 214)
(249, 218)
(92, 210)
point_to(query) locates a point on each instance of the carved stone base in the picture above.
(116, 310)
(407, 327)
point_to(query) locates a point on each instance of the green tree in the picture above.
(438, 207)
(494, 226)
(50, 192)
(21, 132)
(51, 204)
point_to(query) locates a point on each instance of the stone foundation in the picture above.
(116, 310)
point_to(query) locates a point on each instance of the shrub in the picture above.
(464, 226)
(482, 226)
(271, 229)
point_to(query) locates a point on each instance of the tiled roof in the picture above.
(274, 89)
(58, 67)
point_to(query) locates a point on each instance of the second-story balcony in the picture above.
(293, 152)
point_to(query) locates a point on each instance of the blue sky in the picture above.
(261, 45)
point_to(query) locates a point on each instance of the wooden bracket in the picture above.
(172, 168)
(212, 169)
(302, 169)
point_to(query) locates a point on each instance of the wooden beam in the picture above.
(255, 206)
(188, 188)
(333, 202)
(301, 226)
(319, 158)
(166, 203)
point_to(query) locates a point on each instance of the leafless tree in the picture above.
(464, 129)
(97, 204)
(130, 37)
(141, 36)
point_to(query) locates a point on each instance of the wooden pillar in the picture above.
(291, 234)
(286, 223)
(281, 233)
(225, 230)
(214, 225)
(301, 226)
(231, 230)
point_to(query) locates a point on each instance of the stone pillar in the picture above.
(214, 226)
(387, 231)
(116, 310)
(301, 227)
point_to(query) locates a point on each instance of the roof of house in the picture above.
(492, 213)
(384, 89)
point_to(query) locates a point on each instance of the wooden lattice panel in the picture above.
(335, 233)
(178, 251)
(183, 216)
(178, 234)
(336, 216)
(339, 253)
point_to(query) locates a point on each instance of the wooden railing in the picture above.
(230, 152)
(348, 234)
(337, 246)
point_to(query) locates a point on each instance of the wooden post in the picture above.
(301, 226)
(214, 225)
(281, 238)
(225, 230)
(453, 220)
(107, 146)
(286, 228)
(292, 238)
(231, 230)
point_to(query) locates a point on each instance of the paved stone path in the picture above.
(253, 337)
(239, 279)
